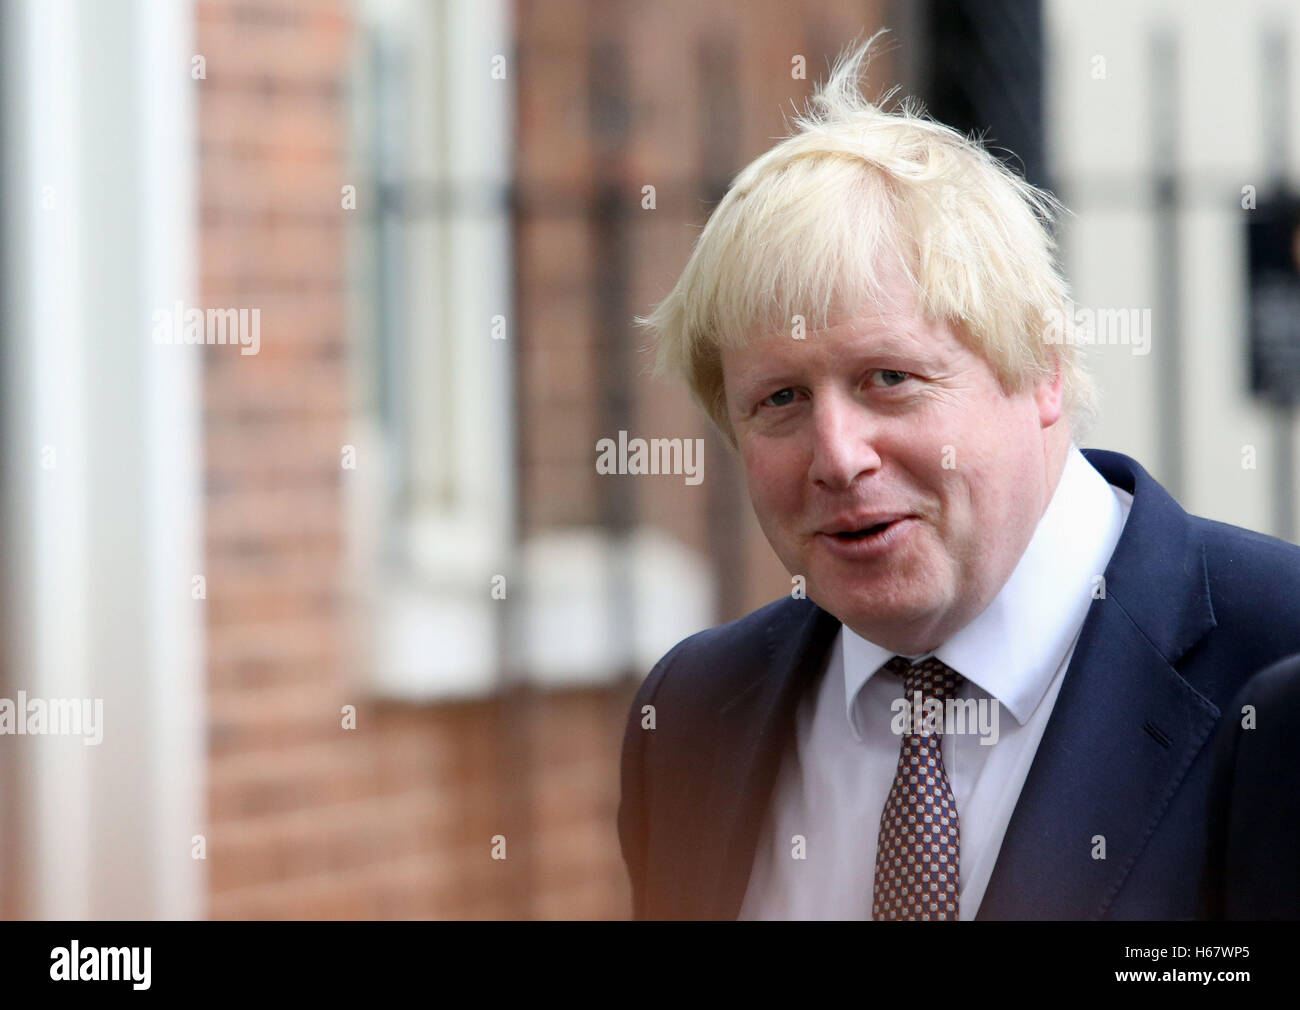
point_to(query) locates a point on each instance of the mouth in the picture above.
(870, 541)
(865, 532)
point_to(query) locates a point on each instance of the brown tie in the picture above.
(917, 856)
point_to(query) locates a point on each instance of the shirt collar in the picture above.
(1013, 649)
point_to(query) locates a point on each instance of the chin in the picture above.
(861, 608)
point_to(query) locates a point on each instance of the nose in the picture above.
(844, 442)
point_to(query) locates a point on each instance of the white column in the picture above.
(100, 207)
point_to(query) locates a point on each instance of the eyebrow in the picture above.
(888, 345)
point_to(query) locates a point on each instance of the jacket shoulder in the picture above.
(1235, 544)
(701, 667)
(1252, 576)
(1253, 581)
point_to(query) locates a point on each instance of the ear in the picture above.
(1050, 397)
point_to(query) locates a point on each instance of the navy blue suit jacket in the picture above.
(1192, 609)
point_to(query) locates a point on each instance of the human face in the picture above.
(890, 421)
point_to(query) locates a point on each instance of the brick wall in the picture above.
(307, 819)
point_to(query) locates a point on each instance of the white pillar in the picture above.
(99, 205)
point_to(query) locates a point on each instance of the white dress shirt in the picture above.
(833, 783)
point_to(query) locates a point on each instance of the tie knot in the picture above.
(931, 677)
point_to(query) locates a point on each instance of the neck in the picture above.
(1056, 450)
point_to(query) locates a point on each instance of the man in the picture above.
(1251, 869)
(873, 319)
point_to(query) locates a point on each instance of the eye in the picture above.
(889, 377)
(777, 398)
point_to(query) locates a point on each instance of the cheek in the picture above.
(995, 468)
(774, 480)
(985, 436)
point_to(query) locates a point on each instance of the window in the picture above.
(432, 492)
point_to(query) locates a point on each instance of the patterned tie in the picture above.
(917, 855)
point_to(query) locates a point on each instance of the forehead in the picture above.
(882, 309)
(875, 332)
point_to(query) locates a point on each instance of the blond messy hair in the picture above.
(803, 228)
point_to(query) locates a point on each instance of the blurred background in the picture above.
(364, 619)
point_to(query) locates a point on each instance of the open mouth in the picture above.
(865, 532)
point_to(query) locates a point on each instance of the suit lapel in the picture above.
(755, 726)
(1125, 726)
